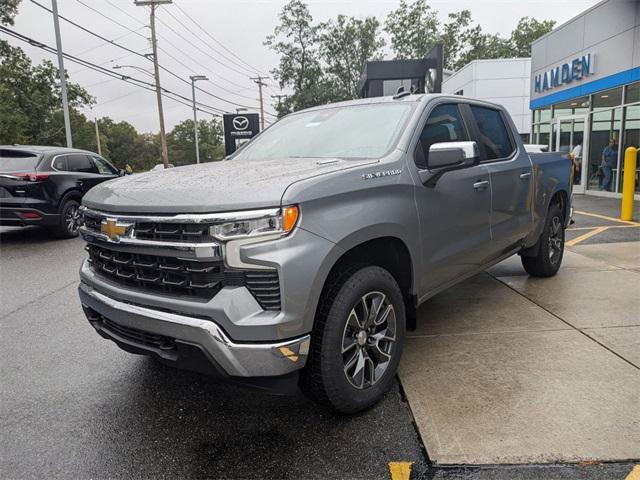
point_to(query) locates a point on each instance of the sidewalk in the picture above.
(505, 368)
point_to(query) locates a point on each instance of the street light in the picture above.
(140, 69)
(194, 79)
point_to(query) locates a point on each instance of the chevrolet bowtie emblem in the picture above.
(114, 229)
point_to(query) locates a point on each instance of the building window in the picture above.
(633, 93)
(604, 151)
(607, 99)
(631, 138)
(459, 92)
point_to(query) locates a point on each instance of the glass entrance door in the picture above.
(571, 137)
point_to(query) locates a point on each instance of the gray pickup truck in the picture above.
(302, 259)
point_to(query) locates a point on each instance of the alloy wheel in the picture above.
(72, 219)
(555, 240)
(368, 340)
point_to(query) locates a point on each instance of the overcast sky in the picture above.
(240, 26)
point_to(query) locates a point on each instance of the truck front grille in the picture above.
(160, 231)
(181, 277)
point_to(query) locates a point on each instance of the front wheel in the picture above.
(550, 246)
(357, 340)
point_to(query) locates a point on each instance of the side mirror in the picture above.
(447, 157)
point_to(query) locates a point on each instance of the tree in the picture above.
(181, 142)
(8, 10)
(296, 40)
(346, 44)
(120, 140)
(527, 31)
(413, 28)
(30, 97)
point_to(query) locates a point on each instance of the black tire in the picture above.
(550, 246)
(69, 220)
(332, 375)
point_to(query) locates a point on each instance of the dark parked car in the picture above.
(44, 185)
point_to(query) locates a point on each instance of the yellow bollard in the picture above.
(628, 183)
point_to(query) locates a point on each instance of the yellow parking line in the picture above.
(401, 470)
(582, 238)
(604, 217)
(634, 474)
(573, 229)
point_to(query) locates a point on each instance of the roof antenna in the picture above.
(400, 93)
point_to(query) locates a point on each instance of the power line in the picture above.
(253, 69)
(133, 52)
(131, 80)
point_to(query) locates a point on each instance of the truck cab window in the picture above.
(494, 136)
(443, 125)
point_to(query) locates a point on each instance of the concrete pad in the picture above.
(481, 304)
(624, 255)
(625, 341)
(512, 266)
(528, 397)
(585, 299)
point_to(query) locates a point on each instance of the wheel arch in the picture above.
(71, 194)
(388, 252)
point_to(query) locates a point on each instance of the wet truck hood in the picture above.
(210, 187)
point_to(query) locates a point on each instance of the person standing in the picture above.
(609, 162)
(576, 158)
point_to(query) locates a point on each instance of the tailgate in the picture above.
(17, 171)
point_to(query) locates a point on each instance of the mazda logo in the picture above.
(240, 123)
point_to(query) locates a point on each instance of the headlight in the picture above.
(257, 223)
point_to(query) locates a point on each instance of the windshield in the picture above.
(357, 131)
(17, 161)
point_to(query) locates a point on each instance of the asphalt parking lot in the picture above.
(74, 406)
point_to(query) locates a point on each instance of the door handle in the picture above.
(481, 185)
(525, 175)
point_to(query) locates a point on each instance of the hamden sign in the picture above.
(575, 70)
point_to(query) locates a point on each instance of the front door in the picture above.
(571, 137)
(454, 214)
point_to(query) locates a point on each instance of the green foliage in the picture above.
(414, 29)
(346, 44)
(296, 40)
(181, 142)
(30, 104)
(8, 10)
(528, 30)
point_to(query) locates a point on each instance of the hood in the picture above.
(210, 187)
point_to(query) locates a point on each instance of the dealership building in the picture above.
(501, 81)
(585, 90)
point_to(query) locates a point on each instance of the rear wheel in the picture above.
(550, 246)
(69, 222)
(357, 340)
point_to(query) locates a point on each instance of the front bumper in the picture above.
(170, 336)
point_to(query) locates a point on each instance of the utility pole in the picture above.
(259, 81)
(194, 79)
(279, 98)
(95, 119)
(63, 76)
(156, 70)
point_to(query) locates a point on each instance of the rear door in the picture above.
(85, 170)
(453, 215)
(511, 178)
